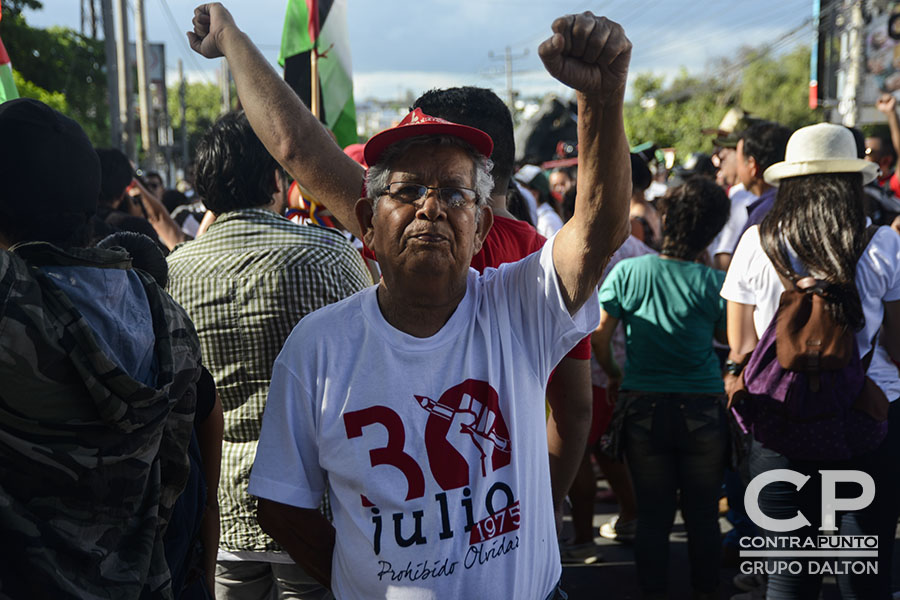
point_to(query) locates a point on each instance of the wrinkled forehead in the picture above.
(434, 162)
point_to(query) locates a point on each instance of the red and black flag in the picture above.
(320, 26)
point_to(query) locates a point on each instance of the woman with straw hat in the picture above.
(817, 228)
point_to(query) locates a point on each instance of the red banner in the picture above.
(314, 26)
(4, 57)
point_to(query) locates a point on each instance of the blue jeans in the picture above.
(782, 500)
(676, 442)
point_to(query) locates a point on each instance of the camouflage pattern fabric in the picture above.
(91, 461)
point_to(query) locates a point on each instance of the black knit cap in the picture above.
(48, 167)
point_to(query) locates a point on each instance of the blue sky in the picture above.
(401, 45)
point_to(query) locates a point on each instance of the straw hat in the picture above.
(733, 124)
(821, 148)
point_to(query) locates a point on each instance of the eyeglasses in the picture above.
(412, 193)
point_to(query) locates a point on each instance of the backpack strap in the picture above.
(787, 277)
(867, 359)
(808, 284)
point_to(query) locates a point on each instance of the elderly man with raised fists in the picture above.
(416, 403)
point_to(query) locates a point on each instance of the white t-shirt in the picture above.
(548, 222)
(752, 279)
(420, 440)
(730, 235)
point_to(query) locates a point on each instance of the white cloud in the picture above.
(388, 85)
(440, 43)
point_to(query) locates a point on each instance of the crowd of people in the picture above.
(389, 371)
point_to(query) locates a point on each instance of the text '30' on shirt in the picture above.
(433, 450)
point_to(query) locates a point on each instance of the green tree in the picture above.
(674, 116)
(203, 104)
(59, 61)
(777, 88)
(15, 7)
(770, 87)
(28, 89)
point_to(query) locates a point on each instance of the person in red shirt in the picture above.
(884, 153)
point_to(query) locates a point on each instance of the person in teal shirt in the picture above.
(669, 413)
(671, 309)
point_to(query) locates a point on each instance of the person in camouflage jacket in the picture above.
(92, 449)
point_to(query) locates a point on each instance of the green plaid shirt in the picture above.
(245, 283)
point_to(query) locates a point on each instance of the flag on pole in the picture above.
(8, 89)
(321, 26)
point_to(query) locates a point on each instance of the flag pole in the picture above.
(314, 60)
(314, 83)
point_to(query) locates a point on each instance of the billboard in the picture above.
(873, 35)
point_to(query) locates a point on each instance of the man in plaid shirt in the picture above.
(245, 283)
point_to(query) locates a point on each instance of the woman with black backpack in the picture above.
(813, 324)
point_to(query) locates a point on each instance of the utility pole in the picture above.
(88, 17)
(93, 19)
(508, 59)
(164, 136)
(112, 74)
(148, 131)
(126, 86)
(225, 83)
(183, 113)
(852, 56)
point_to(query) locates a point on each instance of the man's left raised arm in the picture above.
(591, 54)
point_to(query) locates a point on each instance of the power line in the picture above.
(636, 9)
(681, 42)
(530, 42)
(176, 31)
(779, 43)
(535, 38)
(784, 40)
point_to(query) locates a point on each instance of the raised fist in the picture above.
(209, 21)
(887, 103)
(588, 53)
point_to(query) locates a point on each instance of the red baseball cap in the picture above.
(418, 123)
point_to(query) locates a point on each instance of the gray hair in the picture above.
(378, 175)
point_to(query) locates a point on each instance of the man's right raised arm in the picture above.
(285, 126)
